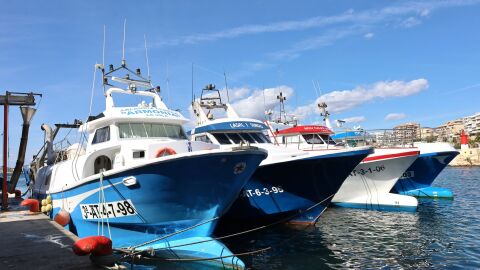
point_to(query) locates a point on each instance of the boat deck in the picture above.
(33, 241)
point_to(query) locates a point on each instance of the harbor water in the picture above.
(442, 234)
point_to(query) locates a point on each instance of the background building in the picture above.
(427, 133)
(472, 124)
(407, 131)
(450, 131)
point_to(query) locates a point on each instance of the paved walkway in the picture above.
(33, 241)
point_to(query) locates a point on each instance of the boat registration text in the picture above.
(108, 209)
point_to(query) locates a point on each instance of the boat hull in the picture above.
(417, 179)
(368, 185)
(168, 196)
(295, 191)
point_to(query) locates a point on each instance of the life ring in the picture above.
(165, 151)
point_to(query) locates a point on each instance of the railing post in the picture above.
(5, 155)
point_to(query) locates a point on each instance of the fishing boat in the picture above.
(368, 185)
(418, 178)
(140, 182)
(290, 185)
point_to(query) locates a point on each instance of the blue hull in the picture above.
(169, 196)
(286, 190)
(418, 178)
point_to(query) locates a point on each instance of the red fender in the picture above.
(165, 151)
(96, 245)
(62, 217)
(18, 193)
(32, 203)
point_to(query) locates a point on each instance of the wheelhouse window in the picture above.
(101, 135)
(243, 137)
(221, 138)
(327, 139)
(247, 137)
(312, 139)
(150, 130)
(235, 137)
(203, 138)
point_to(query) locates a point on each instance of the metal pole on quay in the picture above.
(11, 99)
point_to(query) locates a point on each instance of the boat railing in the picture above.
(404, 137)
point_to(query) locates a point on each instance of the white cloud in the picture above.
(316, 42)
(369, 35)
(355, 119)
(252, 103)
(343, 100)
(395, 116)
(352, 17)
(410, 22)
(255, 105)
(425, 13)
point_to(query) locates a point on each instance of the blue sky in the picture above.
(408, 60)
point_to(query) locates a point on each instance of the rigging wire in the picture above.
(124, 32)
(146, 56)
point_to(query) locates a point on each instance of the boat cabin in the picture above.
(231, 132)
(306, 137)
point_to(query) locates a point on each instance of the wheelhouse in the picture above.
(231, 133)
(306, 136)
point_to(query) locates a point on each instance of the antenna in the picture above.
(226, 85)
(146, 55)
(103, 51)
(193, 98)
(168, 82)
(269, 112)
(315, 86)
(123, 50)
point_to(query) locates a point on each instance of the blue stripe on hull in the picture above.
(422, 173)
(169, 196)
(303, 184)
(430, 192)
(378, 207)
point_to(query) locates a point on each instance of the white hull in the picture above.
(369, 184)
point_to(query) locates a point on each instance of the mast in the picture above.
(325, 114)
(282, 112)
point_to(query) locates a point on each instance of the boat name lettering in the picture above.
(408, 174)
(237, 125)
(364, 171)
(261, 191)
(108, 210)
(245, 125)
(255, 125)
(149, 112)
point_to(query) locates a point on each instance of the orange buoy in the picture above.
(32, 203)
(95, 245)
(165, 151)
(62, 217)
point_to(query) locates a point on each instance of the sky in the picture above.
(376, 63)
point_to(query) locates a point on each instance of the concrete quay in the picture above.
(33, 241)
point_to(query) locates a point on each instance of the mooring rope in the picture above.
(173, 234)
(283, 220)
(211, 258)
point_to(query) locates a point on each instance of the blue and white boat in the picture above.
(418, 178)
(289, 184)
(140, 182)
